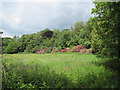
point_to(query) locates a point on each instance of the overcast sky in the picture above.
(20, 17)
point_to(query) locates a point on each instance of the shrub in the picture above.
(49, 50)
(65, 50)
(77, 48)
(41, 51)
(87, 45)
(35, 49)
(56, 49)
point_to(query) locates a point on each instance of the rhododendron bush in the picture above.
(65, 50)
(78, 48)
(41, 51)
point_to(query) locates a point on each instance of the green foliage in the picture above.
(77, 27)
(35, 49)
(29, 48)
(87, 45)
(106, 33)
(88, 29)
(57, 49)
(48, 50)
(65, 38)
(13, 47)
(5, 43)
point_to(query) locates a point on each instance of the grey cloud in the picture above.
(33, 17)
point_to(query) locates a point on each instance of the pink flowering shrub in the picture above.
(41, 51)
(65, 50)
(78, 48)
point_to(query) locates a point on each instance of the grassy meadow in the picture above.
(57, 70)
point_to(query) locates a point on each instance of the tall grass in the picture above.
(57, 71)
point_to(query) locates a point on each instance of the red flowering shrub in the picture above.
(38, 52)
(78, 48)
(65, 50)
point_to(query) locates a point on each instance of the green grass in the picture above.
(57, 71)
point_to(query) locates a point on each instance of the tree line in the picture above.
(76, 35)
(100, 32)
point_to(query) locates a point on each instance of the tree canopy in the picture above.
(106, 33)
